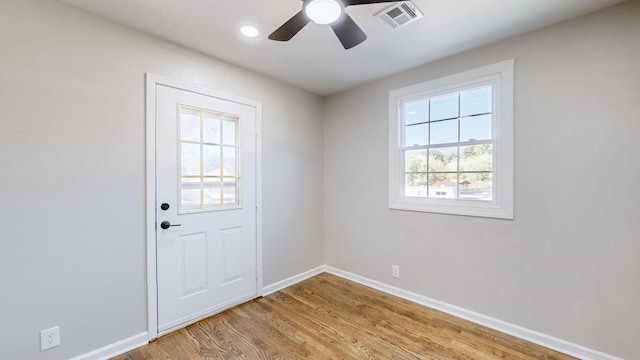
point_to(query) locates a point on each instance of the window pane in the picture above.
(444, 107)
(229, 131)
(230, 191)
(443, 186)
(190, 192)
(229, 158)
(211, 130)
(477, 186)
(189, 127)
(443, 132)
(417, 135)
(443, 159)
(416, 112)
(475, 128)
(205, 158)
(211, 160)
(190, 159)
(476, 158)
(416, 161)
(211, 192)
(415, 185)
(477, 101)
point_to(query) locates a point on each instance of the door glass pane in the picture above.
(211, 160)
(229, 159)
(417, 135)
(190, 159)
(229, 131)
(189, 127)
(230, 191)
(211, 191)
(211, 129)
(444, 107)
(190, 192)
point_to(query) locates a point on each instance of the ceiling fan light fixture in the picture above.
(323, 12)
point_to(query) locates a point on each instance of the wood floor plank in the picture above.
(439, 336)
(328, 317)
(365, 321)
(322, 323)
(347, 333)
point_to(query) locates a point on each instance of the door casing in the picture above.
(152, 82)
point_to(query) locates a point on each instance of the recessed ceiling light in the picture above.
(249, 31)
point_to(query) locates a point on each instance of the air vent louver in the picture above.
(400, 14)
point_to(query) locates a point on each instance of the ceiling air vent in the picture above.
(400, 14)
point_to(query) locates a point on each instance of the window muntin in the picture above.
(447, 145)
(451, 144)
(209, 160)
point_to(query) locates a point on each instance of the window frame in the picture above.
(221, 177)
(500, 77)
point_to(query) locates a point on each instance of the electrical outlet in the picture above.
(395, 271)
(49, 338)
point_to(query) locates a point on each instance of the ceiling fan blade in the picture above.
(348, 32)
(364, 2)
(290, 28)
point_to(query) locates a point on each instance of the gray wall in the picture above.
(72, 163)
(568, 265)
(72, 181)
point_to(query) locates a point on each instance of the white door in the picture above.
(205, 205)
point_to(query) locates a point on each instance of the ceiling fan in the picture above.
(326, 12)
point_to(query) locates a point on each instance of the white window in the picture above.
(451, 144)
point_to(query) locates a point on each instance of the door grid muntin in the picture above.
(209, 175)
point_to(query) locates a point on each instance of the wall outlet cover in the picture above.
(49, 338)
(395, 271)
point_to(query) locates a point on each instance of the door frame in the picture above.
(152, 82)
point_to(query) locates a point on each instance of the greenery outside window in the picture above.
(451, 144)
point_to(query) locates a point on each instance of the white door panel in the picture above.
(206, 173)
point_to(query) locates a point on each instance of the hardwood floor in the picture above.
(327, 317)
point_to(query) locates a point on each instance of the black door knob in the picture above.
(165, 225)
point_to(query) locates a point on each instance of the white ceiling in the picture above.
(314, 59)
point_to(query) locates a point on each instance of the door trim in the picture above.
(152, 82)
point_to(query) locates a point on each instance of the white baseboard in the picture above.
(270, 289)
(533, 336)
(115, 349)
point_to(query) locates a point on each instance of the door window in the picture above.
(209, 160)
